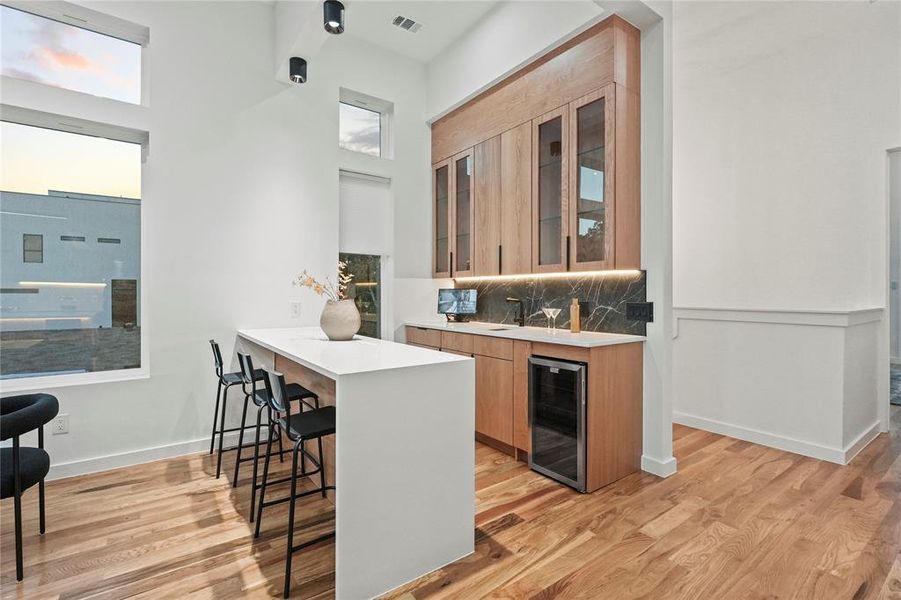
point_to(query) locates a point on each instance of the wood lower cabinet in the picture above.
(494, 398)
(613, 412)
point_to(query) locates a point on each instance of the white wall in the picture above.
(240, 194)
(782, 113)
(509, 36)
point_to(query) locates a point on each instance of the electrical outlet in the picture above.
(61, 424)
(640, 311)
(295, 310)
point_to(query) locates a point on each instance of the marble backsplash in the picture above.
(603, 297)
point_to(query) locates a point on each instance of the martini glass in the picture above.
(551, 314)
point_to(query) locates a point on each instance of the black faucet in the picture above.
(521, 317)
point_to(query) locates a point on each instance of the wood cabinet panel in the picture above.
(521, 430)
(494, 398)
(492, 346)
(577, 67)
(487, 159)
(516, 200)
(422, 336)
(627, 177)
(461, 342)
(614, 414)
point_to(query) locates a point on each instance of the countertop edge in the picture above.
(532, 336)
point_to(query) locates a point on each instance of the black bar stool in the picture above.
(224, 382)
(260, 398)
(21, 468)
(301, 427)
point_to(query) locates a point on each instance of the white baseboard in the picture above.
(655, 466)
(869, 434)
(764, 438)
(132, 457)
(839, 456)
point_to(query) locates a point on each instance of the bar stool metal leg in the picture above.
(241, 440)
(215, 416)
(291, 504)
(256, 461)
(221, 431)
(256, 532)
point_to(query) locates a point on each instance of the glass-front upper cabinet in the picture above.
(441, 192)
(549, 198)
(463, 213)
(591, 181)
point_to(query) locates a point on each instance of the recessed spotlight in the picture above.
(333, 16)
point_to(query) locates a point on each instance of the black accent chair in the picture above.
(224, 382)
(260, 398)
(300, 427)
(21, 468)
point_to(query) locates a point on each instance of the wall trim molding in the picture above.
(131, 458)
(655, 466)
(818, 318)
(868, 435)
(788, 444)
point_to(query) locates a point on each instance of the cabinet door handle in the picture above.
(500, 260)
(567, 252)
(451, 264)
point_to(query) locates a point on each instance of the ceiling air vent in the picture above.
(406, 23)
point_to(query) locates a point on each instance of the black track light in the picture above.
(333, 16)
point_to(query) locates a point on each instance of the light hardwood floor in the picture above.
(737, 521)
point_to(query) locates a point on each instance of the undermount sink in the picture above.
(499, 328)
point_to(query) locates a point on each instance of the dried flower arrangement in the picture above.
(328, 289)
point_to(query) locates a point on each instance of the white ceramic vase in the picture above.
(340, 320)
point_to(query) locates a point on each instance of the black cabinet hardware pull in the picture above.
(500, 260)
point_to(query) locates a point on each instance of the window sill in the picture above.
(25, 385)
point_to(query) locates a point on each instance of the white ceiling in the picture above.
(442, 23)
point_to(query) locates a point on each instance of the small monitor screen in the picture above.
(457, 302)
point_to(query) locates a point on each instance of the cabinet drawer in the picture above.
(493, 347)
(461, 342)
(424, 337)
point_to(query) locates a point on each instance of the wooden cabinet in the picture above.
(494, 398)
(614, 403)
(453, 209)
(552, 174)
(591, 181)
(488, 199)
(441, 221)
(550, 178)
(516, 200)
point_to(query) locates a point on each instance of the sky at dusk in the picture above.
(61, 55)
(35, 160)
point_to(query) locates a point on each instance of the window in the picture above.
(68, 307)
(32, 248)
(365, 289)
(360, 130)
(57, 54)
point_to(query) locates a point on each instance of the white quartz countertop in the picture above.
(585, 339)
(310, 347)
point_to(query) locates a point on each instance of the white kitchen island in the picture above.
(403, 456)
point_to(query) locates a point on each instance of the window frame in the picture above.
(385, 111)
(126, 122)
